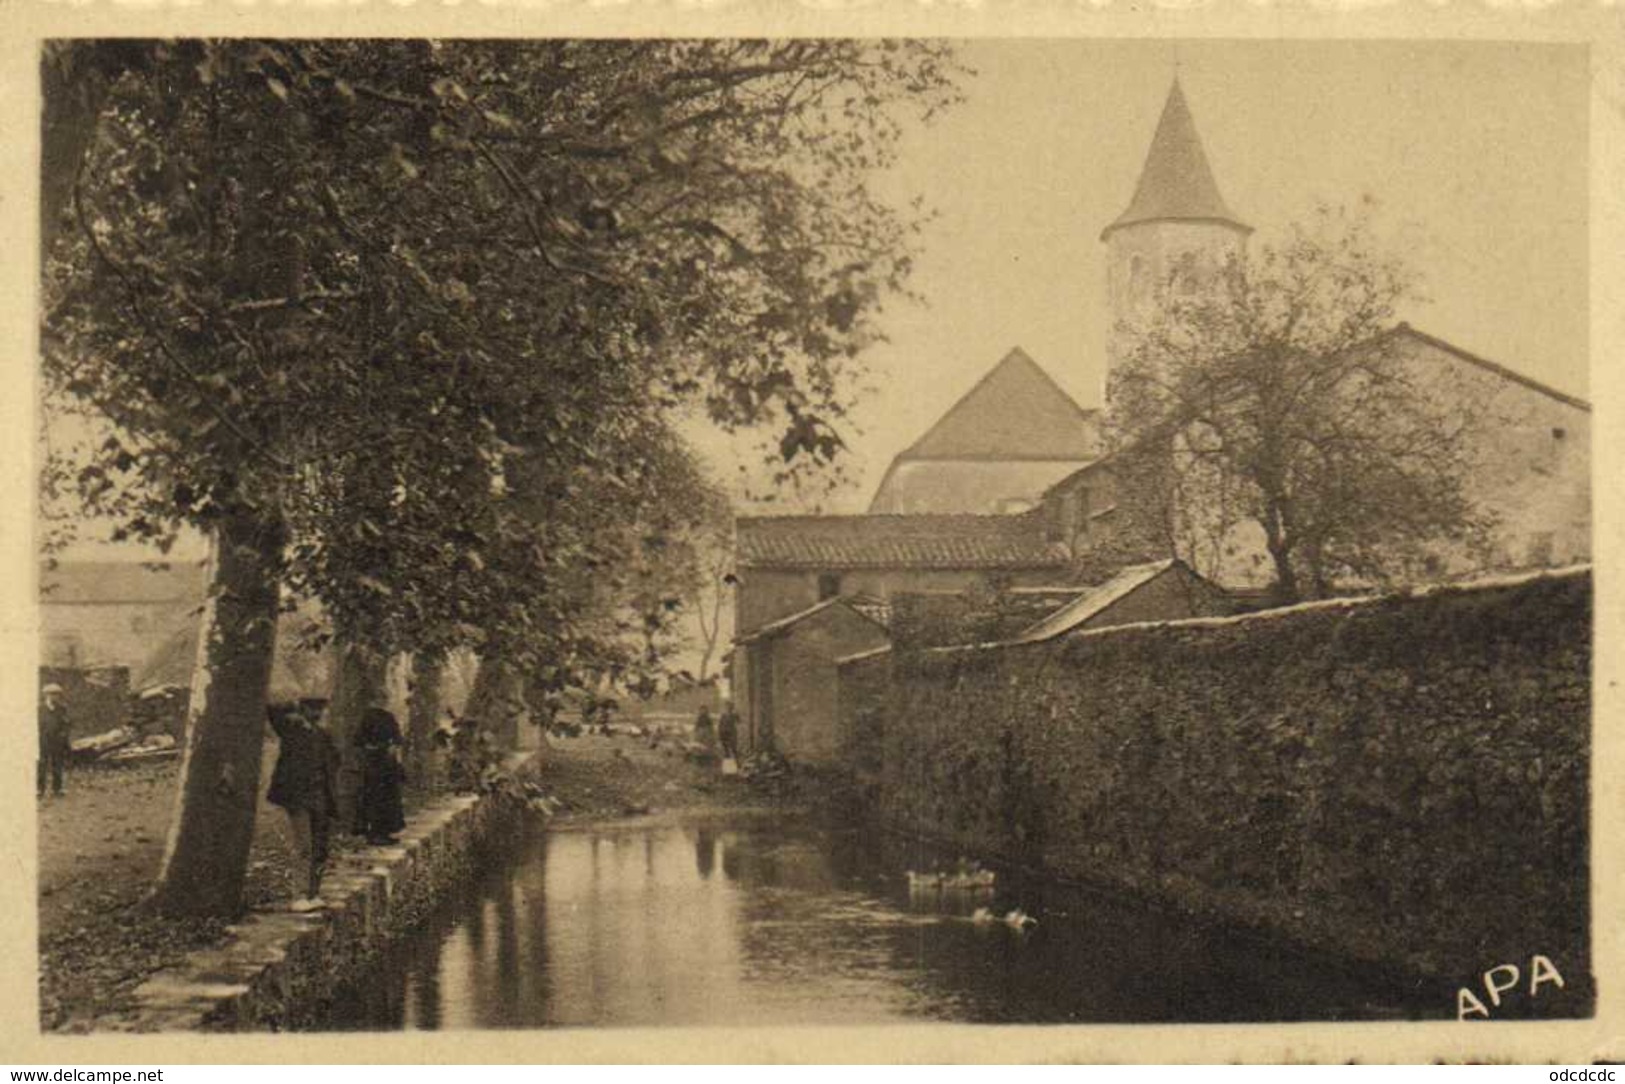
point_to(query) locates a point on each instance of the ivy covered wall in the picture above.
(1402, 779)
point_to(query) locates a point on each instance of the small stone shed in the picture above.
(786, 682)
(1167, 590)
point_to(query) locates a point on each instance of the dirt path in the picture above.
(100, 846)
(602, 778)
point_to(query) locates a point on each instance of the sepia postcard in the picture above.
(554, 533)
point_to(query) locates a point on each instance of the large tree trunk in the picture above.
(358, 684)
(1320, 584)
(495, 701)
(423, 714)
(206, 858)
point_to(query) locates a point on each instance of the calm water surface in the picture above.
(768, 922)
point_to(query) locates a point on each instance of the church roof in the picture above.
(1406, 331)
(907, 542)
(1016, 411)
(1176, 183)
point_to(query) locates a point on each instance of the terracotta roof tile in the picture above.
(924, 542)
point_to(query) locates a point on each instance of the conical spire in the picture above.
(1177, 183)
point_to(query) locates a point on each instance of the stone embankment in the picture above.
(279, 969)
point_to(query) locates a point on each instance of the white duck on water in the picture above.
(967, 875)
(1016, 919)
(1019, 919)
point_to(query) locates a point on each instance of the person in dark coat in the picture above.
(471, 755)
(303, 784)
(703, 732)
(54, 739)
(728, 731)
(378, 807)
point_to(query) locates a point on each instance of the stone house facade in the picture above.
(115, 613)
(792, 569)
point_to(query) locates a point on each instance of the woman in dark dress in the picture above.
(378, 808)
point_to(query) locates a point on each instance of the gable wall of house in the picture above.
(805, 720)
(109, 633)
(1533, 454)
(1172, 596)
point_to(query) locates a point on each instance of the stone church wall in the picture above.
(1532, 475)
(1534, 464)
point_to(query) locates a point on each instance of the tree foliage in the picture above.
(1270, 398)
(352, 284)
(414, 315)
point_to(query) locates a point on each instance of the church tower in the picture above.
(1177, 229)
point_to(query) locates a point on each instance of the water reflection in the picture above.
(761, 923)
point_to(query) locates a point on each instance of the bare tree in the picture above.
(1273, 401)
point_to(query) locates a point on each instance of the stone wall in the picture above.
(1402, 779)
(280, 970)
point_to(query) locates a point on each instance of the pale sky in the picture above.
(1476, 152)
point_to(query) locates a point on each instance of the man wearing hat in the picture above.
(53, 739)
(303, 784)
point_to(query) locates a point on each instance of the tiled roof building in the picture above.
(1011, 488)
(896, 542)
(786, 564)
(113, 613)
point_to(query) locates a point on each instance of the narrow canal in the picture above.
(756, 921)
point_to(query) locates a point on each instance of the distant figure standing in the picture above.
(728, 731)
(303, 785)
(703, 732)
(471, 755)
(378, 807)
(54, 737)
